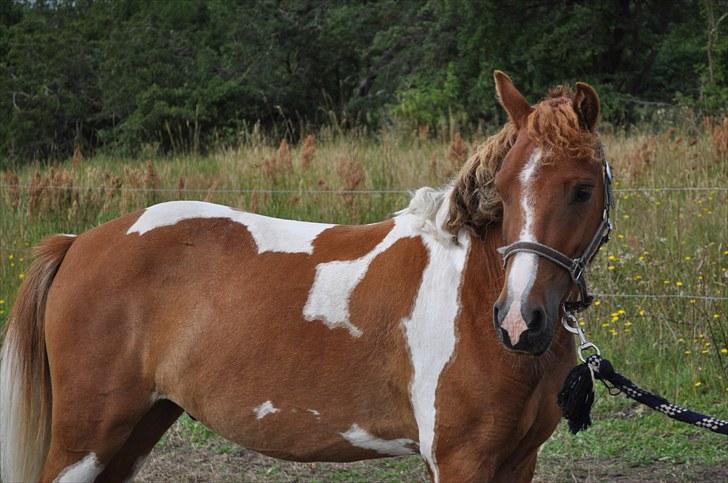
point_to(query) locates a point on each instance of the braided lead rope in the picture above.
(602, 370)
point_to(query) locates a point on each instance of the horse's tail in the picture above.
(25, 385)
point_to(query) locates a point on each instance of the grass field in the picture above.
(672, 244)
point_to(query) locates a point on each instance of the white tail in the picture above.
(24, 441)
(25, 385)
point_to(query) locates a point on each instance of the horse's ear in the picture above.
(586, 105)
(512, 101)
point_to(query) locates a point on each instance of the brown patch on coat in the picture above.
(349, 242)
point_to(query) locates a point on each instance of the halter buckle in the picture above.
(577, 269)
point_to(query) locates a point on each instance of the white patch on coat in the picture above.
(360, 438)
(315, 413)
(82, 471)
(524, 266)
(330, 294)
(430, 332)
(264, 410)
(270, 234)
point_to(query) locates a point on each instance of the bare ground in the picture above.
(215, 460)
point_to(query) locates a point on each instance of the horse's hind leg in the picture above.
(98, 398)
(125, 464)
(89, 428)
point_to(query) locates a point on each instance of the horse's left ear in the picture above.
(586, 105)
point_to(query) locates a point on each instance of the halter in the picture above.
(575, 266)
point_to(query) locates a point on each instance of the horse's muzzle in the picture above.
(536, 324)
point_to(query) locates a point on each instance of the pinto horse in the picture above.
(315, 342)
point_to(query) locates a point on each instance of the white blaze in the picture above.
(270, 234)
(524, 265)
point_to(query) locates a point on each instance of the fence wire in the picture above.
(397, 191)
(400, 191)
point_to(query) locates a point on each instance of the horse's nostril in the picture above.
(498, 314)
(536, 320)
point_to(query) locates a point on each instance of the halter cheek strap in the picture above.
(575, 266)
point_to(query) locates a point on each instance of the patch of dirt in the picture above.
(218, 461)
(593, 471)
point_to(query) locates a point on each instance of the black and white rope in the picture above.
(577, 396)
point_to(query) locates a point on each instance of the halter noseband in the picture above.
(575, 266)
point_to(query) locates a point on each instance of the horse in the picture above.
(310, 341)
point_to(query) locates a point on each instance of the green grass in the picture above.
(665, 243)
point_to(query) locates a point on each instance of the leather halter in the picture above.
(575, 266)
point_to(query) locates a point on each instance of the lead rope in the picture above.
(577, 394)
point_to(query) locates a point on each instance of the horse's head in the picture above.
(552, 188)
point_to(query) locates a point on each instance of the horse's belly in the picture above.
(307, 430)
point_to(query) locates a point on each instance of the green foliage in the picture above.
(185, 75)
(431, 103)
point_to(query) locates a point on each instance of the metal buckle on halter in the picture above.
(577, 269)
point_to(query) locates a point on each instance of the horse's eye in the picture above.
(582, 194)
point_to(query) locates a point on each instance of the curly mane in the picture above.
(553, 125)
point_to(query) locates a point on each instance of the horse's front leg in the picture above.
(471, 465)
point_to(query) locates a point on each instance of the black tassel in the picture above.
(576, 398)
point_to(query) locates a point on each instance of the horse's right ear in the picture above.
(511, 99)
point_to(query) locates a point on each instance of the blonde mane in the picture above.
(553, 125)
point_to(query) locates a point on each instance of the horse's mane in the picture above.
(553, 125)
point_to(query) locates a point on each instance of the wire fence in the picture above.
(397, 191)
(709, 298)
(379, 192)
